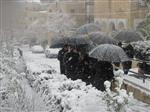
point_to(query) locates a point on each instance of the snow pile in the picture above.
(37, 49)
(51, 53)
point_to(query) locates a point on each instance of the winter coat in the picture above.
(104, 71)
(85, 70)
(90, 69)
(60, 57)
(71, 60)
(129, 50)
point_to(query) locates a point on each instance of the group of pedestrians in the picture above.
(78, 65)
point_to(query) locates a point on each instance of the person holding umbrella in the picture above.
(106, 54)
(85, 69)
(71, 60)
(60, 57)
(129, 50)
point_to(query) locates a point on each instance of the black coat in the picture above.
(60, 57)
(129, 50)
(61, 54)
(71, 60)
(86, 70)
(104, 71)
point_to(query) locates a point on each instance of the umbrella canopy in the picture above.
(76, 40)
(79, 40)
(59, 42)
(88, 28)
(128, 36)
(99, 38)
(109, 52)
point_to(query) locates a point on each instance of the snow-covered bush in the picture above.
(12, 93)
(37, 49)
(119, 100)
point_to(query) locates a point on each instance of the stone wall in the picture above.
(138, 93)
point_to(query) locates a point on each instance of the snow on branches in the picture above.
(119, 100)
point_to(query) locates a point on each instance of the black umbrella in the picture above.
(109, 52)
(100, 38)
(59, 42)
(128, 36)
(88, 28)
(78, 40)
(75, 40)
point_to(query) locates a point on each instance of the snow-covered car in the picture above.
(37, 49)
(51, 53)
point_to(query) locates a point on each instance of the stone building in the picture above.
(119, 14)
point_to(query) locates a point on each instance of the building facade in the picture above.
(110, 14)
(119, 14)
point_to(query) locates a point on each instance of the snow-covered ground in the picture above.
(64, 95)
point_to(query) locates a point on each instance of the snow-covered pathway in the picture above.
(75, 96)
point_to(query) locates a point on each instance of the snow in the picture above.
(60, 93)
(37, 49)
(138, 83)
(75, 94)
(42, 88)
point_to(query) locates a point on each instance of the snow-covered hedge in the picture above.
(64, 95)
(12, 92)
(37, 49)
